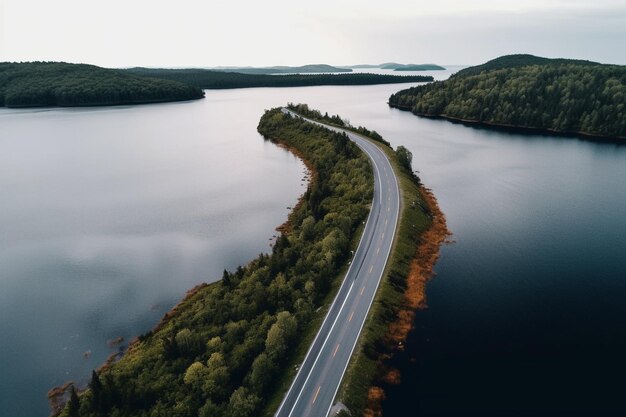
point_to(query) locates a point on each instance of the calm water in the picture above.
(109, 215)
(527, 313)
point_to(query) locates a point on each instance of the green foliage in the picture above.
(219, 352)
(303, 110)
(405, 158)
(32, 84)
(73, 404)
(522, 91)
(211, 79)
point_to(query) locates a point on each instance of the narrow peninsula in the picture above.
(230, 348)
(528, 93)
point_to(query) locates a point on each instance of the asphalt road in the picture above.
(315, 386)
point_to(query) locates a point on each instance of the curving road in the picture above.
(315, 386)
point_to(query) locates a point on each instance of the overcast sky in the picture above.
(119, 33)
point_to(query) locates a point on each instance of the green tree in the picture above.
(405, 158)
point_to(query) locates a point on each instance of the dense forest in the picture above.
(220, 351)
(528, 92)
(36, 84)
(209, 79)
(304, 110)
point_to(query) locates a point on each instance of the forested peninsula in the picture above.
(37, 84)
(526, 92)
(421, 231)
(210, 79)
(229, 349)
(222, 349)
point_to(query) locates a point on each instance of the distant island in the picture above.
(36, 84)
(561, 96)
(411, 67)
(210, 79)
(399, 67)
(304, 69)
(420, 67)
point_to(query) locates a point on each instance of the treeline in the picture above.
(34, 84)
(303, 110)
(209, 79)
(522, 91)
(221, 350)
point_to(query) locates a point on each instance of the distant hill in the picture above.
(420, 67)
(304, 69)
(410, 67)
(35, 84)
(520, 60)
(362, 66)
(528, 92)
(210, 79)
(390, 65)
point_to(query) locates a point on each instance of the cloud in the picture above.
(219, 32)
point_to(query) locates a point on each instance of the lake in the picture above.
(110, 214)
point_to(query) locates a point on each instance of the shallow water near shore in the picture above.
(109, 215)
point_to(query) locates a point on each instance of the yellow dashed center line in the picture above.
(316, 393)
(351, 314)
(336, 349)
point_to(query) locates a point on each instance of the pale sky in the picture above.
(178, 33)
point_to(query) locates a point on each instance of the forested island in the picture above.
(527, 92)
(211, 79)
(419, 67)
(280, 69)
(35, 84)
(399, 67)
(410, 67)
